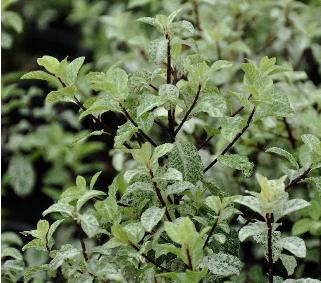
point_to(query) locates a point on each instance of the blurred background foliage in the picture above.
(40, 155)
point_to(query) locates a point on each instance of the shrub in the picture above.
(168, 216)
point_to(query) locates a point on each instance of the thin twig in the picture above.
(209, 235)
(136, 125)
(197, 15)
(297, 179)
(208, 139)
(188, 111)
(233, 141)
(159, 196)
(82, 242)
(189, 258)
(170, 117)
(153, 87)
(290, 134)
(270, 250)
(147, 258)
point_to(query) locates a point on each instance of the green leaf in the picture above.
(294, 205)
(212, 104)
(81, 183)
(11, 252)
(50, 63)
(185, 158)
(157, 50)
(219, 65)
(41, 75)
(135, 232)
(214, 203)
(31, 271)
(124, 134)
(59, 207)
(252, 229)
(137, 3)
(231, 126)
(178, 187)
(301, 226)
(101, 105)
(34, 244)
(65, 253)
(169, 93)
(119, 233)
(295, 245)
(184, 277)
(251, 202)
(289, 263)
(149, 102)
(313, 143)
(302, 280)
(86, 135)
(222, 264)
(273, 102)
(142, 155)
(148, 20)
(53, 227)
(89, 224)
(72, 70)
(237, 162)
(286, 154)
(12, 20)
(171, 174)
(87, 196)
(181, 231)
(94, 180)
(315, 180)
(160, 151)
(21, 174)
(65, 94)
(151, 217)
(42, 229)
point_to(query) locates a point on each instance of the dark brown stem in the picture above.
(147, 258)
(171, 118)
(205, 142)
(233, 141)
(209, 235)
(81, 239)
(159, 196)
(290, 134)
(297, 179)
(136, 125)
(270, 251)
(189, 259)
(153, 87)
(197, 15)
(188, 111)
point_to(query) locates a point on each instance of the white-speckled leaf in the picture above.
(294, 205)
(222, 264)
(151, 217)
(252, 229)
(185, 158)
(237, 162)
(178, 187)
(295, 245)
(286, 154)
(89, 224)
(289, 263)
(157, 50)
(250, 202)
(212, 104)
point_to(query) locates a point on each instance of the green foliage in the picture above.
(166, 217)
